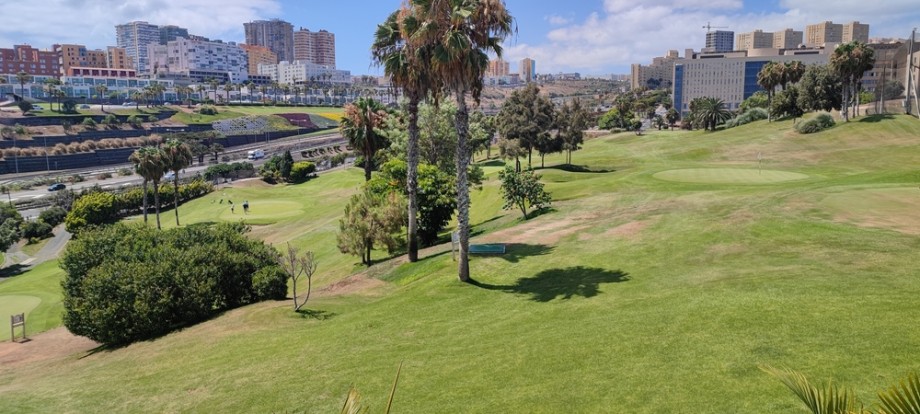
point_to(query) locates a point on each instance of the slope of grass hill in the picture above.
(671, 266)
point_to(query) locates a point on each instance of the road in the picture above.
(271, 148)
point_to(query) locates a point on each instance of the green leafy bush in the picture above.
(270, 283)
(816, 124)
(110, 120)
(53, 216)
(751, 115)
(208, 110)
(88, 123)
(135, 121)
(128, 283)
(302, 171)
(35, 229)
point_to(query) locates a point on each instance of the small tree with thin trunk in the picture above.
(523, 189)
(298, 266)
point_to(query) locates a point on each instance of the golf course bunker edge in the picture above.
(728, 176)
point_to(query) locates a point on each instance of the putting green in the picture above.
(888, 208)
(16, 304)
(728, 176)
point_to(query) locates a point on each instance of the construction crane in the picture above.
(709, 27)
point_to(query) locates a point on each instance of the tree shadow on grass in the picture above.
(561, 283)
(577, 169)
(514, 252)
(493, 163)
(317, 314)
(876, 118)
(12, 270)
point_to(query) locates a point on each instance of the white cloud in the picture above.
(557, 20)
(627, 31)
(92, 22)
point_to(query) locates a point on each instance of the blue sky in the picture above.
(586, 36)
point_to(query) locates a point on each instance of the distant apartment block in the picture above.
(275, 34)
(135, 37)
(75, 71)
(657, 75)
(298, 72)
(169, 33)
(825, 32)
(258, 55)
(788, 39)
(315, 47)
(757, 39)
(25, 58)
(199, 59)
(854, 31)
(79, 56)
(498, 68)
(528, 70)
(117, 58)
(720, 41)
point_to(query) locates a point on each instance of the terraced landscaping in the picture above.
(667, 272)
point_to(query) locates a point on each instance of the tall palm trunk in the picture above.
(463, 189)
(156, 200)
(176, 195)
(412, 178)
(145, 201)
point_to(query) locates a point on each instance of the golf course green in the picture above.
(641, 291)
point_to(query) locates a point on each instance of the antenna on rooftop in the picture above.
(709, 27)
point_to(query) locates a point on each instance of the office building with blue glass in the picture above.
(731, 77)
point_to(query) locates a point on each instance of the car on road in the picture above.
(38, 108)
(84, 106)
(169, 175)
(56, 187)
(128, 104)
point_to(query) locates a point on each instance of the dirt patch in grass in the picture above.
(883, 208)
(52, 345)
(352, 285)
(538, 231)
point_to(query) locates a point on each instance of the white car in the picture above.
(37, 108)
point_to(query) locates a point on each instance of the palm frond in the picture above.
(828, 399)
(903, 398)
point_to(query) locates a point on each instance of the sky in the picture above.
(592, 37)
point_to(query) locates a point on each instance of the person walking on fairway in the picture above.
(246, 207)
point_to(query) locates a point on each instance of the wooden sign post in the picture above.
(15, 321)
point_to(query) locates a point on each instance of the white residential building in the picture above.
(298, 72)
(199, 58)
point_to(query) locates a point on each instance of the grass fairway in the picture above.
(38, 294)
(728, 176)
(634, 294)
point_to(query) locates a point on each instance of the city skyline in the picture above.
(594, 38)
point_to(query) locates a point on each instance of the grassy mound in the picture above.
(728, 176)
(37, 293)
(635, 294)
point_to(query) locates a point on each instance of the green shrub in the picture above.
(207, 110)
(20, 130)
(104, 176)
(128, 283)
(91, 209)
(88, 123)
(338, 159)
(270, 283)
(110, 120)
(135, 121)
(53, 216)
(816, 124)
(124, 172)
(35, 229)
(751, 115)
(301, 171)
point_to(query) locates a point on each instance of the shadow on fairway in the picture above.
(561, 283)
(576, 169)
(13, 270)
(877, 118)
(317, 314)
(514, 252)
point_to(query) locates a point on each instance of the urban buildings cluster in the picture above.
(499, 72)
(147, 53)
(727, 67)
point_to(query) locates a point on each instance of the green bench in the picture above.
(487, 249)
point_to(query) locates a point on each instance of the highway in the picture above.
(236, 153)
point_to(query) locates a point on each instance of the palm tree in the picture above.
(275, 87)
(406, 66)
(148, 164)
(137, 96)
(23, 78)
(228, 87)
(100, 91)
(359, 125)
(768, 80)
(710, 112)
(793, 72)
(51, 84)
(213, 84)
(460, 34)
(249, 85)
(176, 156)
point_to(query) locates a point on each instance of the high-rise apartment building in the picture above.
(275, 34)
(854, 31)
(25, 58)
(169, 33)
(70, 56)
(757, 39)
(528, 70)
(117, 58)
(315, 47)
(498, 68)
(825, 32)
(135, 37)
(720, 41)
(787, 39)
(199, 60)
(259, 55)
(656, 75)
(290, 73)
